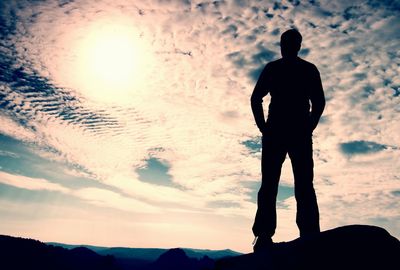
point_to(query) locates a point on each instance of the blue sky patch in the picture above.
(284, 192)
(19, 158)
(254, 145)
(155, 172)
(361, 147)
(223, 204)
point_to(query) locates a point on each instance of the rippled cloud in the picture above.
(172, 131)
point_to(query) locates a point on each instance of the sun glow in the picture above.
(112, 63)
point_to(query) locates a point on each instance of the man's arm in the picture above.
(260, 91)
(317, 98)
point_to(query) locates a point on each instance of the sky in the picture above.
(128, 123)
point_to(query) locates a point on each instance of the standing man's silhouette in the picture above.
(292, 83)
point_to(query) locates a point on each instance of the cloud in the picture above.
(11, 128)
(107, 198)
(30, 183)
(8, 154)
(96, 196)
(186, 132)
(224, 204)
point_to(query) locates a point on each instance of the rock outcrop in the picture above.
(349, 247)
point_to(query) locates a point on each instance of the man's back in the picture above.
(292, 84)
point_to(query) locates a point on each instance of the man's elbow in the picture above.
(319, 109)
(254, 99)
(323, 103)
(318, 106)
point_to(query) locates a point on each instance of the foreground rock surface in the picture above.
(349, 247)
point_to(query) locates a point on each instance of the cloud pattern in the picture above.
(185, 140)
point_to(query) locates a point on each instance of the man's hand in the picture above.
(313, 126)
(263, 128)
(260, 90)
(317, 100)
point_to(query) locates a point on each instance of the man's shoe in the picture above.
(262, 243)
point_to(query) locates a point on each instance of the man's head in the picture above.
(290, 43)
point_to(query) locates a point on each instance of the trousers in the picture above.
(274, 150)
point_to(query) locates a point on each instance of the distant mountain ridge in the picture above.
(151, 253)
(176, 258)
(21, 253)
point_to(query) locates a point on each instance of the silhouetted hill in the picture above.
(173, 259)
(176, 258)
(151, 254)
(212, 254)
(349, 247)
(19, 253)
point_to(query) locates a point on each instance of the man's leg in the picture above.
(307, 218)
(273, 155)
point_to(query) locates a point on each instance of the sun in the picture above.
(112, 62)
(111, 57)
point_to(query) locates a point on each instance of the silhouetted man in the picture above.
(292, 83)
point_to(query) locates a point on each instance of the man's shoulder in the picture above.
(307, 64)
(299, 60)
(281, 63)
(274, 63)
